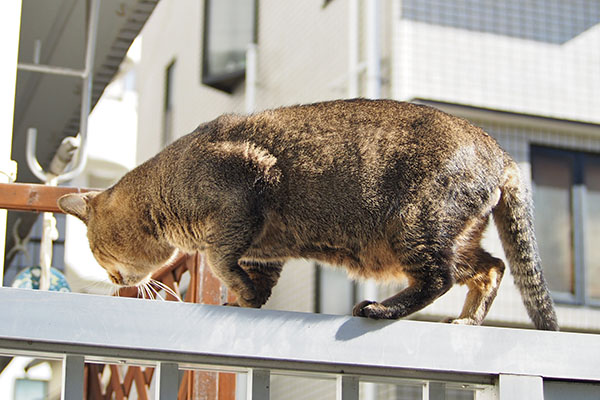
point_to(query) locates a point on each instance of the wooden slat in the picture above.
(33, 197)
(148, 373)
(94, 392)
(226, 386)
(115, 382)
(140, 383)
(128, 380)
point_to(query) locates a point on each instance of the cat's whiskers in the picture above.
(148, 291)
(167, 289)
(143, 289)
(155, 291)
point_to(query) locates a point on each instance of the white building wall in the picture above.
(550, 73)
(302, 52)
(173, 33)
(295, 41)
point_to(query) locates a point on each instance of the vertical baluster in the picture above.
(72, 378)
(434, 391)
(346, 387)
(167, 380)
(259, 384)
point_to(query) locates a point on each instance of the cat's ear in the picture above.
(77, 204)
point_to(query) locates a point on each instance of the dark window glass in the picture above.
(229, 27)
(567, 217)
(553, 219)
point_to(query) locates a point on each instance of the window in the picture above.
(30, 389)
(336, 293)
(167, 134)
(567, 216)
(229, 27)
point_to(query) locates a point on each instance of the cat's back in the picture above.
(345, 127)
(365, 155)
(343, 139)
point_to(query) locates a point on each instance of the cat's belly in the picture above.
(375, 260)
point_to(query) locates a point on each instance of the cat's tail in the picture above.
(514, 219)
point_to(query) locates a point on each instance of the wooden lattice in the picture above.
(203, 287)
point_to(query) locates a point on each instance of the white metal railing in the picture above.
(503, 363)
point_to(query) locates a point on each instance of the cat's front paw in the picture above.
(246, 303)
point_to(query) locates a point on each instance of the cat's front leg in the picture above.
(227, 270)
(264, 275)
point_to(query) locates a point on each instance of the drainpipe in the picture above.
(353, 41)
(10, 20)
(373, 25)
(251, 78)
(373, 21)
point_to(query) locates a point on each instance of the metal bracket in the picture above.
(86, 100)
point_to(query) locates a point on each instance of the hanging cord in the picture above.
(49, 235)
(60, 161)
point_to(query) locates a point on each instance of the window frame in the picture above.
(578, 205)
(168, 103)
(228, 81)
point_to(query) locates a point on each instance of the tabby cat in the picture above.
(382, 188)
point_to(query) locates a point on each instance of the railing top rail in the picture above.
(113, 329)
(33, 197)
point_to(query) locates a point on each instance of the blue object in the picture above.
(29, 278)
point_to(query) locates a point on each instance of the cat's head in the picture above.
(121, 240)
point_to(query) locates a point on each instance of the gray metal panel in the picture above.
(167, 380)
(259, 385)
(347, 387)
(556, 390)
(435, 391)
(114, 328)
(72, 377)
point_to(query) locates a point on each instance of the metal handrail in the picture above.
(196, 336)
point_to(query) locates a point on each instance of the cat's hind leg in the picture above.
(483, 281)
(427, 281)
